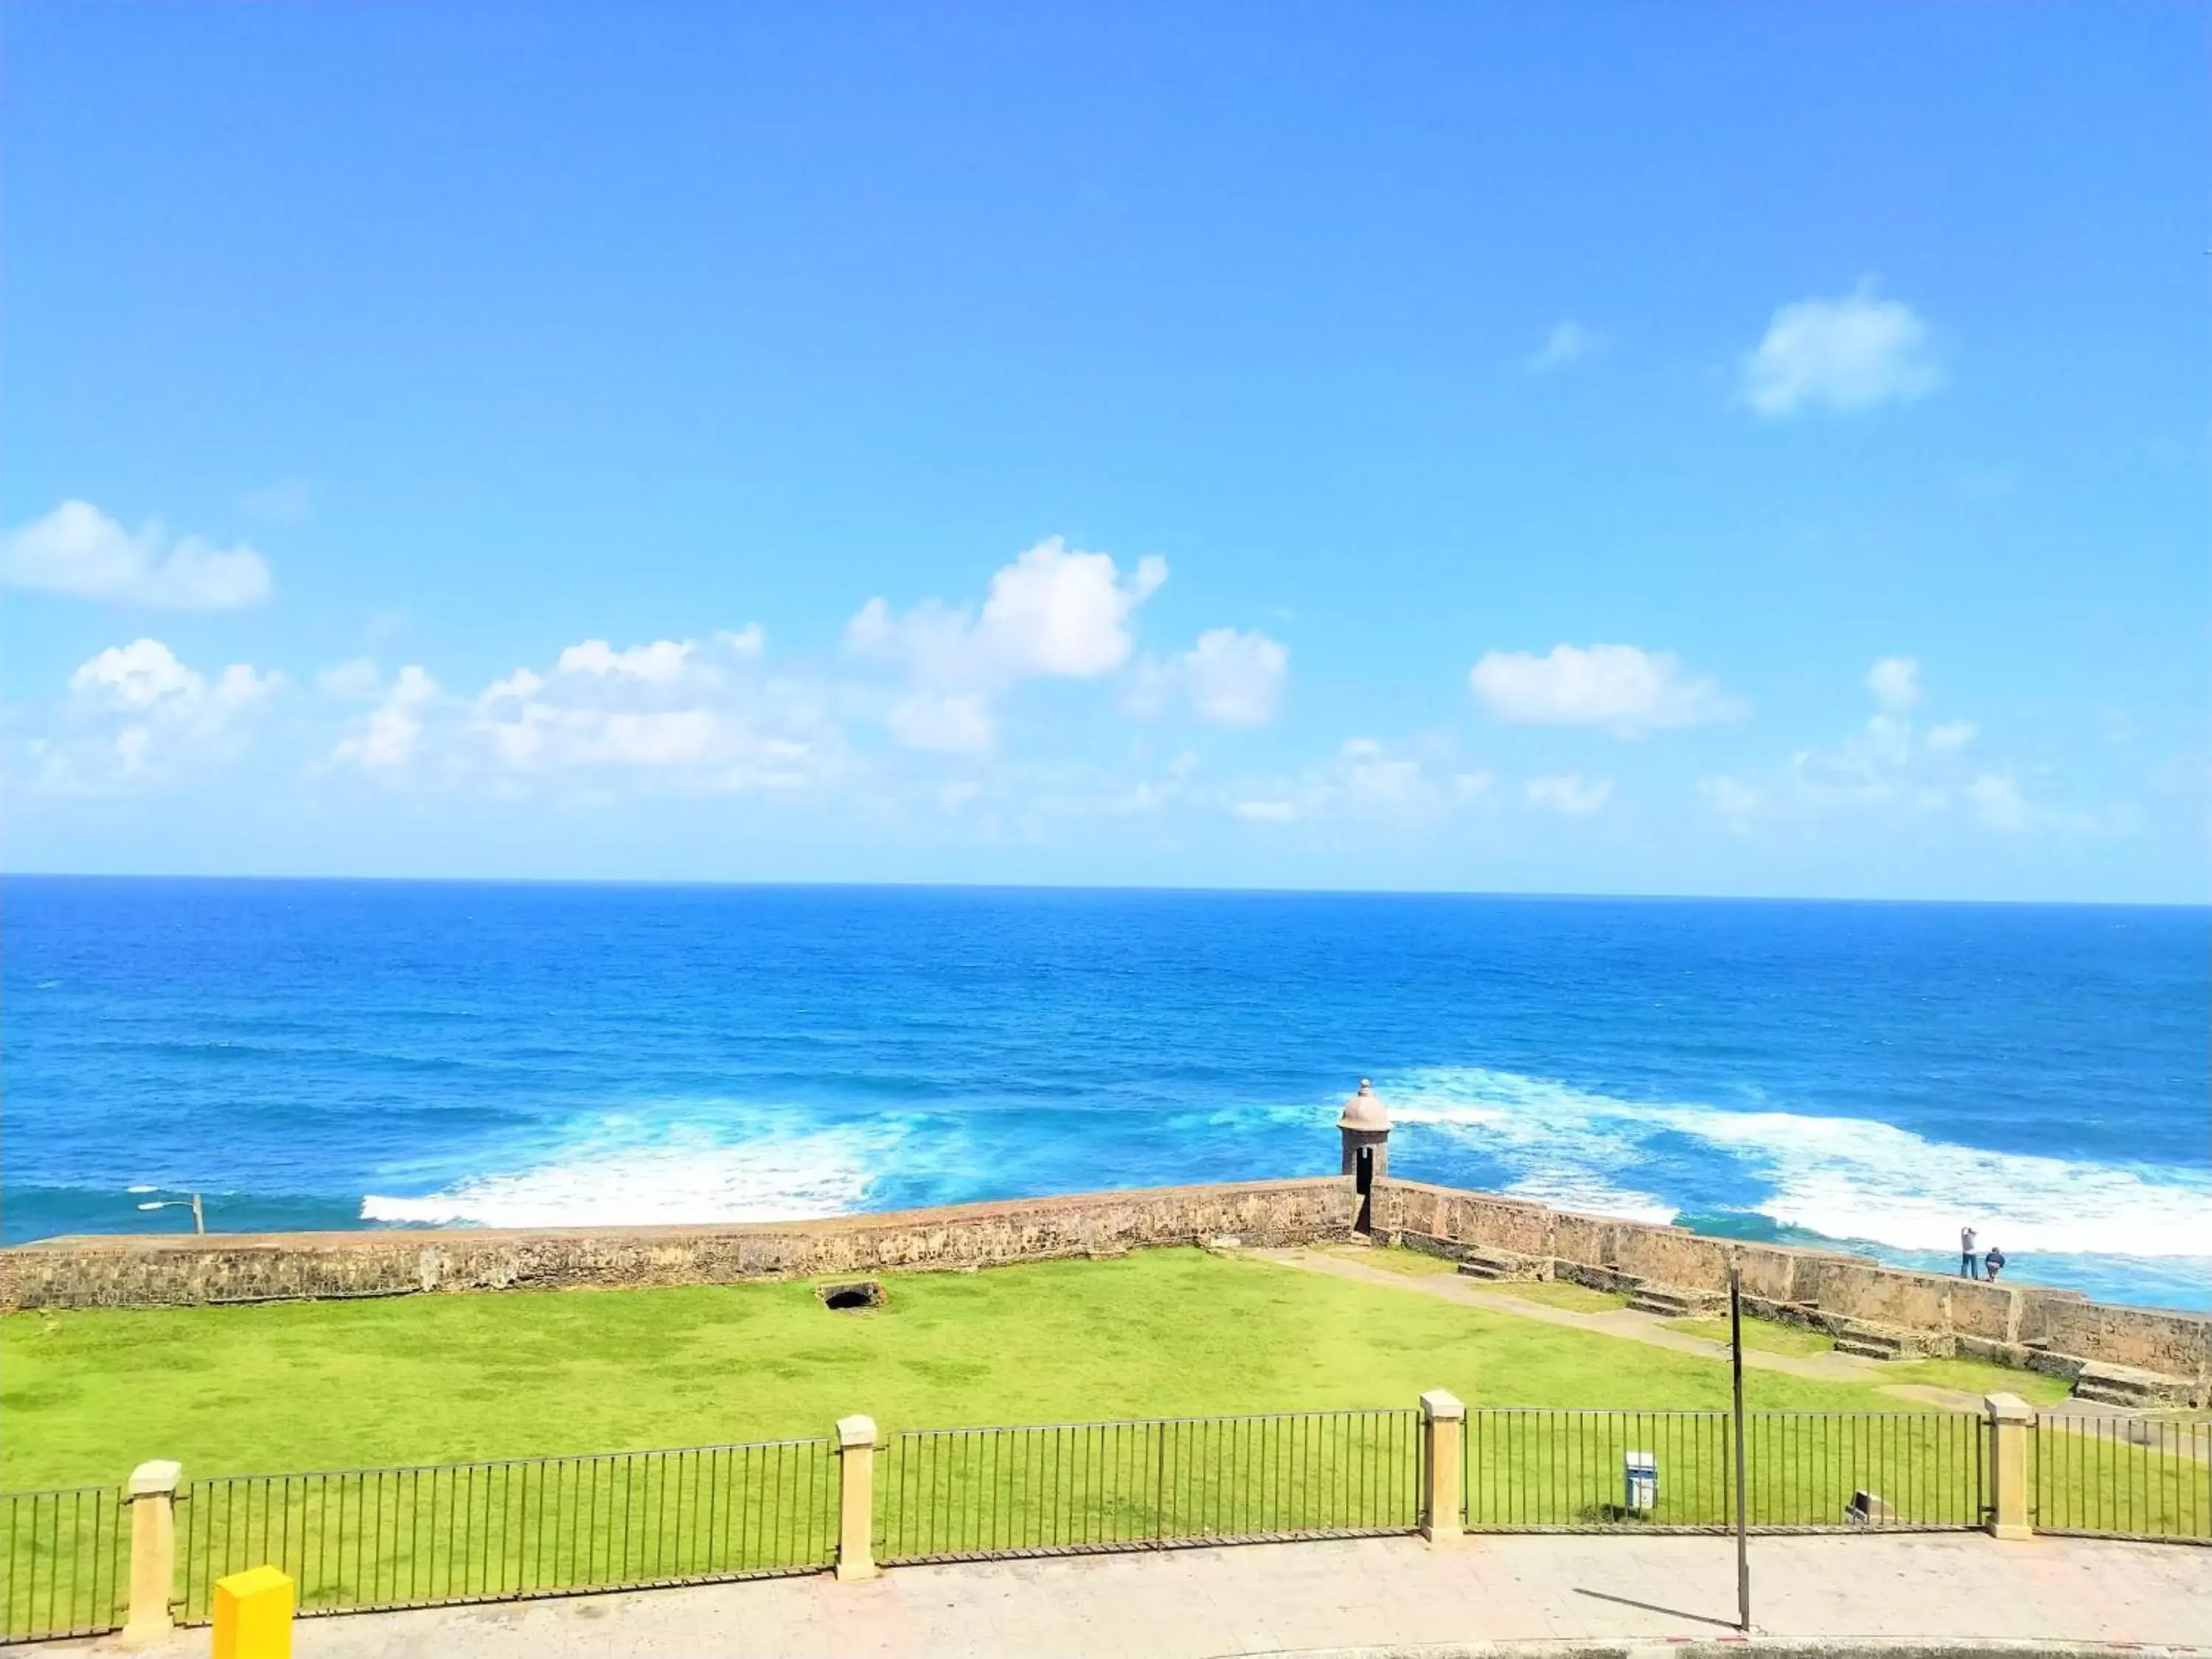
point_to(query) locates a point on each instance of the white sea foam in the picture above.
(615, 1175)
(1844, 1177)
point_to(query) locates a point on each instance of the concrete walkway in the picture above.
(1385, 1593)
(2193, 1442)
(1624, 1323)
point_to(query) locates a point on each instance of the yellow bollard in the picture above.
(254, 1615)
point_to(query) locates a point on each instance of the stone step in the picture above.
(2122, 1385)
(1669, 1304)
(1497, 1264)
(1867, 1343)
(1863, 1348)
(1598, 1278)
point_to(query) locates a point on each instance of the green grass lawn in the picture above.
(293, 1386)
(1413, 1264)
(1765, 1334)
(1561, 1293)
(1978, 1378)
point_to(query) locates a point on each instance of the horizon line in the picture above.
(1100, 887)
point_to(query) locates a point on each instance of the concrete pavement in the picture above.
(1395, 1593)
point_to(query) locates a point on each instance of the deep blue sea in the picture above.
(380, 1053)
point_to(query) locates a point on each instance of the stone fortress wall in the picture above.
(2126, 1355)
(182, 1269)
(2123, 1356)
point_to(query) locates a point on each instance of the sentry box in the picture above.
(1639, 1475)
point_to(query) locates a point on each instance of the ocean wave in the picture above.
(683, 1173)
(1844, 1178)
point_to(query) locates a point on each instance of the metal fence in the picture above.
(956, 1494)
(64, 1562)
(498, 1531)
(503, 1531)
(2122, 1477)
(1575, 1471)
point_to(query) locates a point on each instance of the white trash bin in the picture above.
(1640, 1473)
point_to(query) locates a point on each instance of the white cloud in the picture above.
(955, 723)
(1365, 781)
(1846, 355)
(1568, 342)
(1051, 613)
(1236, 679)
(1891, 770)
(140, 675)
(386, 737)
(1625, 690)
(78, 550)
(697, 716)
(1895, 682)
(135, 712)
(1570, 792)
(1229, 678)
(659, 662)
(358, 681)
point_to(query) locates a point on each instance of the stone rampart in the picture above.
(174, 1270)
(2019, 1324)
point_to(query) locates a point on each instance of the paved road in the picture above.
(1276, 1598)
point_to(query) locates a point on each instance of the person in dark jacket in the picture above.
(1993, 1263)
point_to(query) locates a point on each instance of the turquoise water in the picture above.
(364, 1054)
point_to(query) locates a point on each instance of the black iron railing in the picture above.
(2122, 1477)
(1576, 1471)
(498, 1531)
(64, 1562)
(503, 1531)
(952, 1494)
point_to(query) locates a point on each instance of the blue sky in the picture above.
(1594, 449)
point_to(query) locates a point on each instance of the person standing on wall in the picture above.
(1970, 1265)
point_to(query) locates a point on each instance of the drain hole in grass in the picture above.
(849, 1298)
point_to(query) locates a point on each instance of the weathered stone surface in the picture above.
(184, 1269)
(2057, 1331)
(2052, 1330)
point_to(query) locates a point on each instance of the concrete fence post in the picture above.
(1444, 1421)
(856, 1499)
(2012, 1420)
(153, 1494)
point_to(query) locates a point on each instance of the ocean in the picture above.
(357, 1054)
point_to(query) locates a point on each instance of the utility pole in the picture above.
(1742, 1535)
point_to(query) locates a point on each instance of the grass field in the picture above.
(1418, 1264)
(1761, 1333)
(1563, 1293)
(550, 1379)
(84, 1396)
(1975, 1376)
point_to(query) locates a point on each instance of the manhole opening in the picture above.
(849, 1298)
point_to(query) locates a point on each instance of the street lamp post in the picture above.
(199, 1221)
